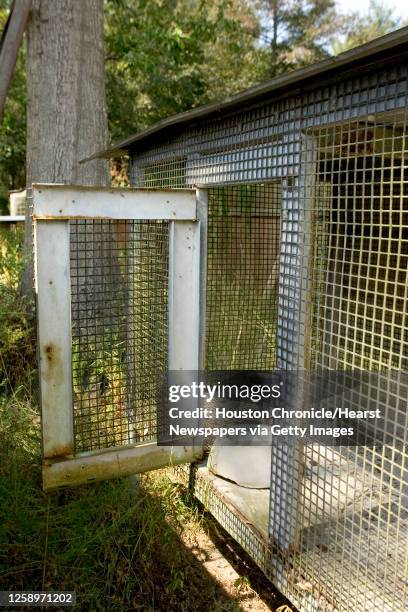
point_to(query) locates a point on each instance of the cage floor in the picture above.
(252, 504)
(344, 554)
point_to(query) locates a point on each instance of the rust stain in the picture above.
(52, 370)
(60, 451)
(52, 353)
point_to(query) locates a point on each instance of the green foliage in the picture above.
(299, 32)
(13, 125)
(17, 334)
(99, 375)
(117, 544)
(166, 56)
(162, 57)
(233, 347)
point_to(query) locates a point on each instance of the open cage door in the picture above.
(120, 281)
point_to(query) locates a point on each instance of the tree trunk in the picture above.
(274, 42)
(66, 110)
(66, 121)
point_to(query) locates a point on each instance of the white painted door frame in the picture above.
(54, 206)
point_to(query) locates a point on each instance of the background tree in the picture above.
(166, 56)
(299, 32)
(66, 105)
(379, 20)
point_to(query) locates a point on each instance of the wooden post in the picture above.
(10, 45)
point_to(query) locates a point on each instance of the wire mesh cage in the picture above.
(306, 264)
(118, 306)
(307, 268)
(120, 317)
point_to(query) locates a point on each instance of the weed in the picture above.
(244, 333)
(99, 383)
(118, 546)
(243, 584)
(17, 332)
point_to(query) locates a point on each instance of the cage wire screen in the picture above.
(307, 267)
(354, 504)
(119, 275)
(242, 276)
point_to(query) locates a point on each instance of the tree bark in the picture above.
(66, 106)
(274, 43)
(67, 120)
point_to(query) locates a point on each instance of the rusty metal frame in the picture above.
(54, 206)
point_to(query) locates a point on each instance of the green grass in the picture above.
(121, 545)
(99, 412)
(17, 335)
(117, 544)
(242, 328)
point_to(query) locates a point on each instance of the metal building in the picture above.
(307, 256)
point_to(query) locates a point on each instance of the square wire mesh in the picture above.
(242, 276)
(119, 274)
(354, 504)
(337, 155)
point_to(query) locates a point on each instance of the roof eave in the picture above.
(331, 64)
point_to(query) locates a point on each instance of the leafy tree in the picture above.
(235, 60)
(166, 56)
(162, 57)
(66, 106)
(379, 20)
(299, 32)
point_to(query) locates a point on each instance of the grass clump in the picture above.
(17, 330)
(116, 544)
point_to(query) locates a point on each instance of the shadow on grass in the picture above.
(117, 544)
(242, 562)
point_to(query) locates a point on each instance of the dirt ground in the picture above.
(244, 585)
